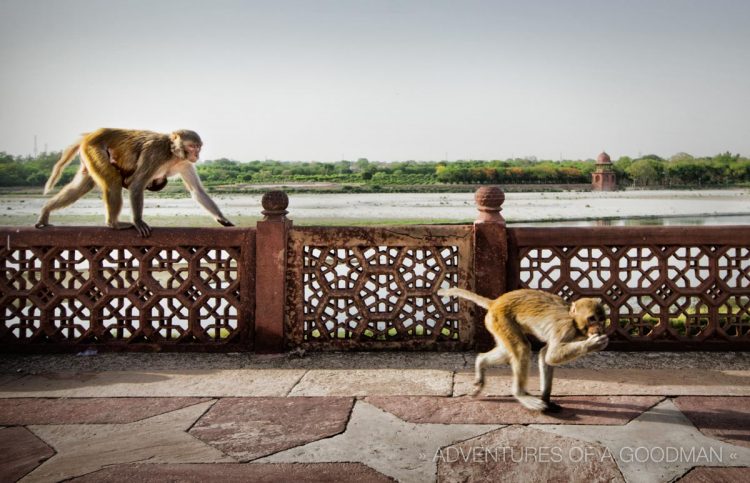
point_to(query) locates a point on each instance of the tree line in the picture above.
(680, 170)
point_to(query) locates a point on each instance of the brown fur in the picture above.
(570, 331)
(137, 160)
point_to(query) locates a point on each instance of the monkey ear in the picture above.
(176, 147)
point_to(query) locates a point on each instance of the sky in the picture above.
(385, 80)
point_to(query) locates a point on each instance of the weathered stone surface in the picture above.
(521, 454)
(382, 382)
(248, 428)
(659, 445)
(23, 411)
(612, 382)
(237, 473)
(506, 410)
(195, 383)
(716, 475)
(6, 378)
(380, 440)
(15, 364)
(20, 452)
(724, 418)
(83, 448)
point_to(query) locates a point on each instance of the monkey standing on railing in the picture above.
(137, 160)
(570, 331)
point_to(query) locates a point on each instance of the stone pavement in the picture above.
(369, 417)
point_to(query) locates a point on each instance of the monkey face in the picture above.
(589, 316)
(186, 145)
(192, 150)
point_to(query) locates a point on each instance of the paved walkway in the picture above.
(369, 417)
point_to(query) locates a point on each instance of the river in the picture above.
(699, 207)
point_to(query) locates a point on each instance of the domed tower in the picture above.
(603, 178)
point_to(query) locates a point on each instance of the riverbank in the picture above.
(643, 207)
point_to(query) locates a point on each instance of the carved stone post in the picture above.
(490, 254)
(270, 278)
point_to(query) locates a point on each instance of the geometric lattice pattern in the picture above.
(151, 292)
(352, 290)
(654, 292)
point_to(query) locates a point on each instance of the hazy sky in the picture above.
(386, 80)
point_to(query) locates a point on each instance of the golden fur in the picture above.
(570, 331)
(138, 160)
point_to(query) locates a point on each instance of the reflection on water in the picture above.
(647, 221)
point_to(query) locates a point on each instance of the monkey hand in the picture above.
(143, 229)
(224, 221)
(597, 342)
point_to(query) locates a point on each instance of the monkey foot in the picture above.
(41, 225)
(121, 225)
(532, 403)
(478, 386)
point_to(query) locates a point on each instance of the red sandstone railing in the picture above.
(180, 289)
(277, 287)
(376, 287)
(666, 287)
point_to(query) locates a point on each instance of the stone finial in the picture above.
(275, 204)
(489, 201)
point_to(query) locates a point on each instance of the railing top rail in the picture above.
(72, 237)
(623, 235)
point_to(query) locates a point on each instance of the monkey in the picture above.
(570, 331)
(157, 184)
(137, 160)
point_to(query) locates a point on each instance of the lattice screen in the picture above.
(374, 287)
(179, 295)
(687, 293)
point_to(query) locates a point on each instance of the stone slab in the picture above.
(614, 382)
(705, 474)
(724, 418)
(6, 378)
(84, 448)
(192, 383)
(236, 473)
(659, 445)
(506, 410)
(382, 441)
(522, 454)
(23, 411)
(20, 452)
(249, 428)
(372, 382)
(18, 364)
(179, 361)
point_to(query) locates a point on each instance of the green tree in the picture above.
(644, 172)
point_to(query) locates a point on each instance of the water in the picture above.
(650, 221)
(705, 207)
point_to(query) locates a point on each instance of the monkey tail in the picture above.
(465, 294)
(57, 169)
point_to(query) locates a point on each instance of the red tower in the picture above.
(603, 178)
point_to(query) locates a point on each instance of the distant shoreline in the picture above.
(567, 207)
(175, 189)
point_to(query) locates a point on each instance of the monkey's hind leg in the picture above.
(109, 179)
(79, 186)
(498, 355)
(519, 351)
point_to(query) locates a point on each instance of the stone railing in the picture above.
(180, 289)
(276, 286)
